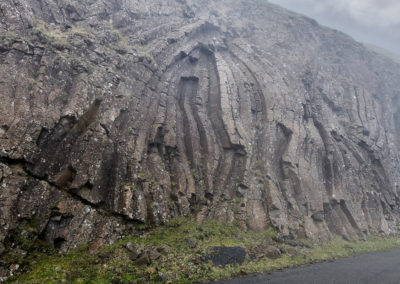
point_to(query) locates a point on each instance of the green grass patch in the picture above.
(179, 259)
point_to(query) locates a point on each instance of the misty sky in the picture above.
(371, 21)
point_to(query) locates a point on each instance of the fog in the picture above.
(370, 21)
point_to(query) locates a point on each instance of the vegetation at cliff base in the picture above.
(184, 252)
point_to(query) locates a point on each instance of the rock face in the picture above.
(121, 112)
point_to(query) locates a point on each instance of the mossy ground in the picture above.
(179, 263)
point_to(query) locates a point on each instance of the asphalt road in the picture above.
(373, 268)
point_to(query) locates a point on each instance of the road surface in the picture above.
(372, 268)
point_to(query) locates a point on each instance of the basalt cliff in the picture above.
(124, 112)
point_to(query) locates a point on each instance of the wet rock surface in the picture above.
(223, 256)
(119, 113)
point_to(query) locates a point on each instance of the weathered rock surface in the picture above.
(116, 112)
(265, 249)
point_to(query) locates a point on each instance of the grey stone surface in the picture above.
(141, 111)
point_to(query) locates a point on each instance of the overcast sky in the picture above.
(371, 21)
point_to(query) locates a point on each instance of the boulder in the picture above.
(223, 256)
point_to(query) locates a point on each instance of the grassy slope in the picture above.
(177, 263)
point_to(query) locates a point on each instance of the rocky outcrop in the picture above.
(115, 113)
